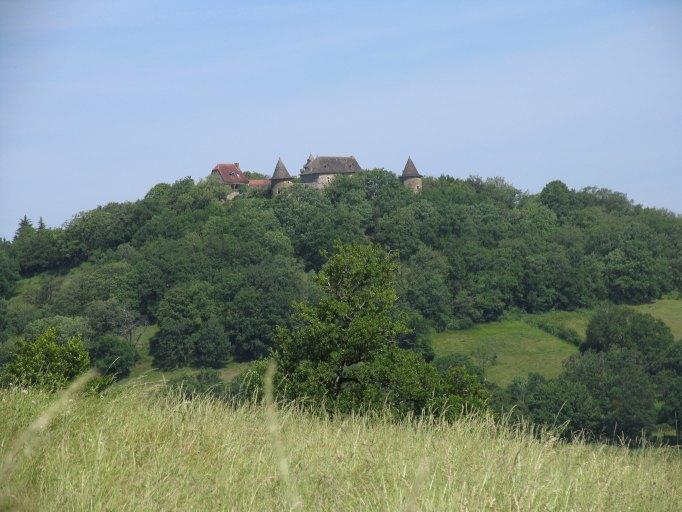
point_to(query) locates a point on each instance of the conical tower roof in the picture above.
(281, 172)
(410, 171)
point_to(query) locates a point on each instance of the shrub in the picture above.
(563, 332)
(46, 363)
(113, 356)
(7, 350)
(201, 383)
(623, 328)
(67, 327)
(444, 363)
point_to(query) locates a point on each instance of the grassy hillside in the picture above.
(668, 310)
(522, 348)
(519, 349)
(132, 450)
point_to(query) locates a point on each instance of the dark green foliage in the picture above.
(259, 298)
(41, 249)
(9, 271)
(19, 314)
(559, 198)
(45, 363)
(444, 363)
(633, 273)
(66, 328)
(418, 336)
(670, 386)
(8, 348)
(469, 251)
(201, 383)
(182, 314)
(91, 282)
(112, 355)
(625, 380)
(3, 317)
(601, 396)
(559, 403)
(557, 329)
(210, 344)
(423, 286)
(341, 351)
(314, 222)
(354, 318)
(621, 327)
(621, 387)
(112, 316)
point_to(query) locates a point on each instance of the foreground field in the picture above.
(133, 450)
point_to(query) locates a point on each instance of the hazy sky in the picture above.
(99, 101)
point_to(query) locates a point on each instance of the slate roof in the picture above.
(231, 174)
(331, 165)
(410, 170)
(281, 172)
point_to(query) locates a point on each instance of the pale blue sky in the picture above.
(99, 101)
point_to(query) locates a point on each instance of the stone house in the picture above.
(230, 174)
(317, 172)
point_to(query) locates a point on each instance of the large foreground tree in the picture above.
(342, 350)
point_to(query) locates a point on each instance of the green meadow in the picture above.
(513, 348)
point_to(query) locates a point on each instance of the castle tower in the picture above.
(411, 177)
(280, 178)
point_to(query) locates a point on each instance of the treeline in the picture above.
(217, 276)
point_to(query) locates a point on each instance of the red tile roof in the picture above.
(259, 183)
(231, 174)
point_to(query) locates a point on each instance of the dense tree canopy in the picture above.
(625, 381)
(342, 351)
(217, 276)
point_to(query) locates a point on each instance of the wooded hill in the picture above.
(218, 276)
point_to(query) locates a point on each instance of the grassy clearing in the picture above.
(134, 450)
(520, 349)
(576, 320)
(668, 310)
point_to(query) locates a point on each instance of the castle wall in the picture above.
(317, 180)
(415, 184)
(278, 186)
(324, 179)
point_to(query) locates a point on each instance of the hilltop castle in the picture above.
(317, 172)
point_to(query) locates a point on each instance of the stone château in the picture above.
(317, 172)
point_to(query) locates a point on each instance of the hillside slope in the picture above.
(507, 349)
(514, 348)
(134, 450)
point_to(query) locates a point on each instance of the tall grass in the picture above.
(137, 449)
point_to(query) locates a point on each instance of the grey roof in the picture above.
(331, 165)
(410, 171)
(281, 172)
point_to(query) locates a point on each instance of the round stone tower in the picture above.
(411, 177)
(280, 178)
